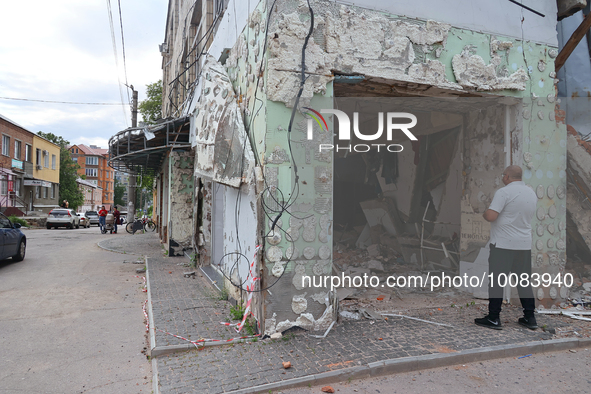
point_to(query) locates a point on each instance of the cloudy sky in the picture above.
(62, 51)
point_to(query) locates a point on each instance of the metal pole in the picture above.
(132, 180)
(133, 107)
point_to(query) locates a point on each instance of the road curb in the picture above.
(152, 331)
(114, 250)
(416, 363)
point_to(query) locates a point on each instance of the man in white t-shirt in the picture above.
(510, 214)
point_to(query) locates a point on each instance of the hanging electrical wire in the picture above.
(123, 50)
(57, 102)
(116, 58)
(280, 200)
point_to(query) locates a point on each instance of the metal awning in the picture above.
(143, 149)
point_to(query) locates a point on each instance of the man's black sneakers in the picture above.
(529, 322)
(488, 322)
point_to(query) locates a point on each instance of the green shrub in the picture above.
(20, 221)
(237, 312)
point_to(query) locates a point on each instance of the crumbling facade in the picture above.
(267, 202)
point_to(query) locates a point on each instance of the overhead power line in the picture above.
(58, 102)
(123, 48)
(115, 53)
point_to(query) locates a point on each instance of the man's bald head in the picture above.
(512, 174)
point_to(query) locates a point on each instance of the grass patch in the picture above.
(18, 220)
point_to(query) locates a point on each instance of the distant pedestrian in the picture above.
(102, 218)
(510, 214)
(117, 216)
(64, 204)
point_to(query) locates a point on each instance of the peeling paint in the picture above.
(354, 41)
(322, 267)
(305, 321)
(270, 325)
(325, 320)
(321, 298)
(300, 270)
(299, 304)
(471, 71)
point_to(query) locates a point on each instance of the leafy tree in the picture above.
(68, 172)
(143, 195)
(119, 191)
(151, 108)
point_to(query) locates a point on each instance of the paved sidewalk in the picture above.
(189, 307)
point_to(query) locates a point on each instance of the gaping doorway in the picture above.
(400, 214)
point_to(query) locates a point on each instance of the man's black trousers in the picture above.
(506, 261)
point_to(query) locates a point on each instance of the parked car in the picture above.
(13, 242)
(93, 215)
(62, 217)
(84, 220)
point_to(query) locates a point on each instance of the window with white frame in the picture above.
(91, 172)
(45, 192)
(46, 159)
(17, 149)
(53, 162)
(4, 185)
(17, 187)
(6, 145)
(91, 161)
(28, 153)
(53, 190)
(37, 191)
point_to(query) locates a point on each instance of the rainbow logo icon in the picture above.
(317, 117)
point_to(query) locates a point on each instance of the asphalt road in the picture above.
(71, 318)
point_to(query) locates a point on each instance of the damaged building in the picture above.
(269, 166)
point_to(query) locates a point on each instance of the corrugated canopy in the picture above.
(143, 149)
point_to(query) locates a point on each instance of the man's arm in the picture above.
(490, 215)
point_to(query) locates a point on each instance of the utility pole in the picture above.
(133, 107)
(131, 182)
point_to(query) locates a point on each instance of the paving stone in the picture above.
(189, 308)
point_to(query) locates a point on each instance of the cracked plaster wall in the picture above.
(181, 202)
(383, 48)
(580, 164)
(493, 16)
(538, 146)
(239, 213)
(203, 191)
(352, 40)
(165, 193)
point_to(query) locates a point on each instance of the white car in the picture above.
(84, 220)
(62, 217)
